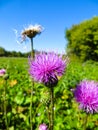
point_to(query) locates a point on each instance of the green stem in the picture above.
(52, 109)
(49, 113)
(32, 49)
(32, 55)
(5, 105)
(85, 121)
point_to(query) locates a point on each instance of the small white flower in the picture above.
(38, 114)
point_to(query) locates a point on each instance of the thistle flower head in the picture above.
(31, 31)
(2, 72)
(43, 127)
(46, 67)
(86, 94)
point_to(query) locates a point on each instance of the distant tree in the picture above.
(8, 54)
(2, 51)
(83, 39)
(19, 54)
(13, 53)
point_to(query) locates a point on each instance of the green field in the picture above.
(16, 91)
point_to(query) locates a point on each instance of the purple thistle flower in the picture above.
(2, 72)
(43, 127)
(46, 68)
(86, 94)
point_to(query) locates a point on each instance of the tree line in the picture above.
(5, 53)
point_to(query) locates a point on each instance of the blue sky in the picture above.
(54, 15)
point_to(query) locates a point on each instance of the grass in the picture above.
(67, 116)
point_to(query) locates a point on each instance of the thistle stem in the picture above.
(32, 55)
(52, 109)
(5, 105)
(85, 121)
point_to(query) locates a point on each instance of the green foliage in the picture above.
(6, 53)
(83, 39)
(2, 51)
(18, 92)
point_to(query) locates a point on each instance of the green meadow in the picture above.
(15, 97)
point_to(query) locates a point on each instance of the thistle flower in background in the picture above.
(46, 68)
(86, 94)
(2, 72)
(31, 31)
(43, 127)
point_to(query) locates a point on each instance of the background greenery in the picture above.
(67, 115)
(5, 53)
(83, 39)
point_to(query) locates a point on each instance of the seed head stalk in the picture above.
(32, 48)
(32, 55)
